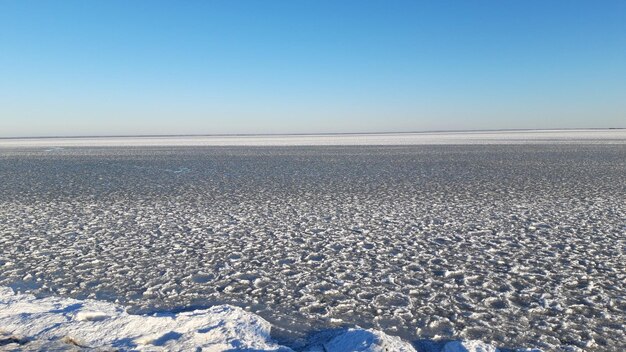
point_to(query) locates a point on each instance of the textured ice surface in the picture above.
(515, 245)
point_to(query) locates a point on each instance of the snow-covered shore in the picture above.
(55, 323)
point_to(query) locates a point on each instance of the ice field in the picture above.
(517, 240)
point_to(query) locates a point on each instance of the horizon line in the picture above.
(310, 134)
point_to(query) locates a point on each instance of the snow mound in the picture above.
(358, 340)
(468, 346)
(51, 322)
(367, 340)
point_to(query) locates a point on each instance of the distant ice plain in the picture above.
(594, 136)
(515, 238)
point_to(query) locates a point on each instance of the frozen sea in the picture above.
(513, 238)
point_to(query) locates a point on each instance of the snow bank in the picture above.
(54, 323)
(90, 323)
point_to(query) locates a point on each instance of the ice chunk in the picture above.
(363, 340)
(468, 346)
(91, 316)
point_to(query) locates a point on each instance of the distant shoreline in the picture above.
(494, 137)
(317, 134)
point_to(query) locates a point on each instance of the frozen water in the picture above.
(517, 245)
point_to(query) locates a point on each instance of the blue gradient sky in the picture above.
(179, 67)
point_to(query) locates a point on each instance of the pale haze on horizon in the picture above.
(225, 67)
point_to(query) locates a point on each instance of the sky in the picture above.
(71, 68)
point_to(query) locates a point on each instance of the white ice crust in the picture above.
(468, 346)
(598, 136)
(93, 323)
(55, 323)
(357, 340)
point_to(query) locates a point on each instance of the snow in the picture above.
(358, 340)
(27, 322)
(594, 136)
(468, 346)
(92, 324)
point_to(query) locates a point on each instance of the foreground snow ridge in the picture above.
(55, 323)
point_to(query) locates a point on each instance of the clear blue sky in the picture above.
(263, 66)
